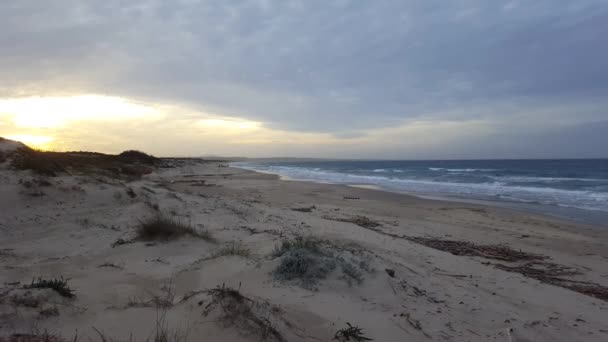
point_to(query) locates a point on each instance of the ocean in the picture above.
(572, 188)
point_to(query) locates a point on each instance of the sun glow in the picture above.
(53, 112)
(35, 141)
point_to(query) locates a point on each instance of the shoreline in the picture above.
(573, 214)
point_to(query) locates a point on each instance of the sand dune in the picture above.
(383, 262)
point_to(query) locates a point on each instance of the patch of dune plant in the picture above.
(164, 228)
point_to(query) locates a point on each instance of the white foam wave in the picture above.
(461, 170)
(545, 179)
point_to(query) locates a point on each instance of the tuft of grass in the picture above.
(165, 228)
(245, 313)
(58, 285)
(236, 248)
(162, 301)
(351, 333)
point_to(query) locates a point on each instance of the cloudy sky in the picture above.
(309, 78)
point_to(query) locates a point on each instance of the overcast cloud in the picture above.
(493, 78)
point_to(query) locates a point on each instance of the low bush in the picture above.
(307, 261)
(304, 266)
(42, 163)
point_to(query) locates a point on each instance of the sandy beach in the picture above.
(404, 268)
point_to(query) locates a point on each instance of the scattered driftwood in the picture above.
(466, 248)
(362, 221)
(550, 273)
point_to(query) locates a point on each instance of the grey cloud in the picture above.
(324, 66)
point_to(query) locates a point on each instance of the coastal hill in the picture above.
(133, 247)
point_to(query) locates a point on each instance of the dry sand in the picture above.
(67, 228)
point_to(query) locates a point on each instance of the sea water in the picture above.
(543, 185)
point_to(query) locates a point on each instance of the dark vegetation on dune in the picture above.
(133, 157)
(129, 164)
(58, 285)
(165, 228)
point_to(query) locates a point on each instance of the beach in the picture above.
(407, 268)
